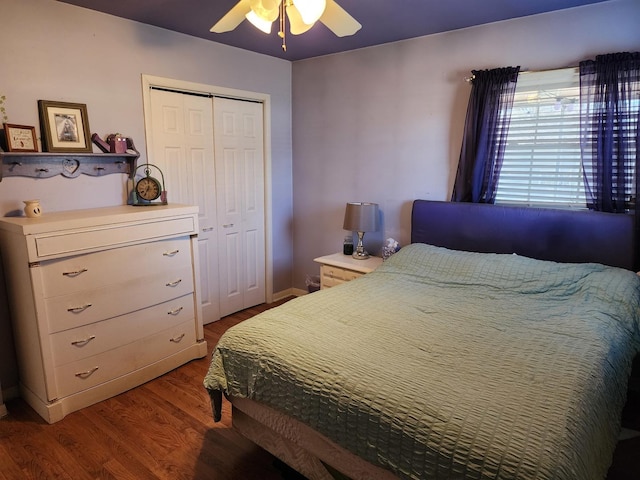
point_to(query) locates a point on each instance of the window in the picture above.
(542, 164)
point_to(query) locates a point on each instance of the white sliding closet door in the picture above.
(182, 145)
(211, 151)
(238, 127)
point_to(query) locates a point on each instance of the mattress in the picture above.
(443, 364)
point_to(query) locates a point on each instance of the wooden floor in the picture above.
(163, 429)
(160, 430)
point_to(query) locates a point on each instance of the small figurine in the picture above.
(390, 247)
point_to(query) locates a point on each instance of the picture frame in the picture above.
(64, 127)
(20, 138)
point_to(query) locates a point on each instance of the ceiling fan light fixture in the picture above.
(296, 24)
(302, 15)
(310, 10)
(259, 22)
(267, 10)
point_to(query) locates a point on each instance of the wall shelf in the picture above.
(70, 165)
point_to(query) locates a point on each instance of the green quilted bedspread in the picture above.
(444, 364)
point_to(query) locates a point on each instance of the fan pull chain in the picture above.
(281, 33)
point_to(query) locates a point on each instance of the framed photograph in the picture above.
(64, 127)
(20, 138)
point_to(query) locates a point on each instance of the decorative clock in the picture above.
(147, 189)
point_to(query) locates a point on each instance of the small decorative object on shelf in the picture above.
(148, 191)
(32, 208)
(20, 138)
(390, 247)
(117, 143)
(64, 127)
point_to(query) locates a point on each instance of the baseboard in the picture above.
(298, 292)
(290, 292)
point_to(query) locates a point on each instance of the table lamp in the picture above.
(361, 217)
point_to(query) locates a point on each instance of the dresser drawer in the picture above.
(73, 242)
(88, 372)
(83, 308)
(82, 342)
(94, 270)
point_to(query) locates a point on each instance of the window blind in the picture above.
(542, 163)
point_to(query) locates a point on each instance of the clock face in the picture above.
(148, 188)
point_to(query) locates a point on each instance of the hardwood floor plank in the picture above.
(10, 469)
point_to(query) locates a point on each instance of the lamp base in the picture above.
(360, 255)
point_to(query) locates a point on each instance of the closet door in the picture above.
(238, 131)
(182, 146)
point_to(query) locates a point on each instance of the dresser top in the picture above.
(75, 219)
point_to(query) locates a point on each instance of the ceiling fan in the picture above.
(301, 14)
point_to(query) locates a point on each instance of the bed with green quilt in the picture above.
(440, 364)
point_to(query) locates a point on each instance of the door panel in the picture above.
(240, 189)
(212, 154)
(182, 146)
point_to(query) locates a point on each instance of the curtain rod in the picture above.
(471, 77)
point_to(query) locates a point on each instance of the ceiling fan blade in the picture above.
(296, 24)
(232, 18)
(338, 20)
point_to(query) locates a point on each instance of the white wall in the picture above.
(55, 51)
(384, 124)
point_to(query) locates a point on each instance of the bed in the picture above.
(498, 345)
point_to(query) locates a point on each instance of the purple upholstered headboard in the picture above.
(546, 234)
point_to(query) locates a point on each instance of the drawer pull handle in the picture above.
(173, 284)
(86, 374)
(42, 170)
(82, 343)
(75, 273)
(207, 229)
(227, 225)
(175, 311)
(171, 253)
(177, 339)
(79, 309)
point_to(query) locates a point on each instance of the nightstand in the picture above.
(339, 268)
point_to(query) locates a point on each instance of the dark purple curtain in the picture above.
(485, 134)
(609, 119)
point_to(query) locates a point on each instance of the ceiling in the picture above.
(383, 21)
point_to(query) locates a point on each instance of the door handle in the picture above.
(227, 225)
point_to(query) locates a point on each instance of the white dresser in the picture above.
(101, 300)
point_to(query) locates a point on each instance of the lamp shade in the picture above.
(361, 217)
